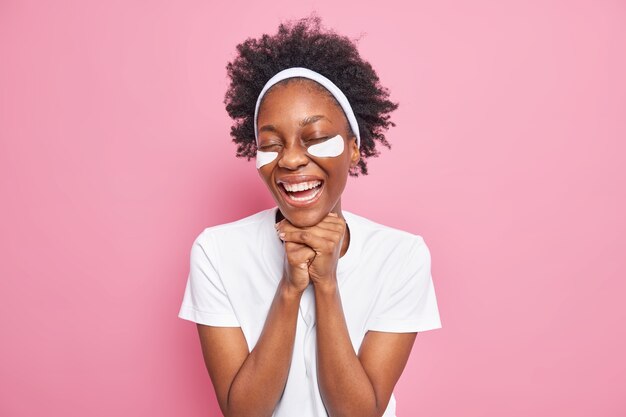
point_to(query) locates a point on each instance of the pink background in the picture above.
(508, 158)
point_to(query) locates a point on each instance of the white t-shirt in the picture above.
(384, 282)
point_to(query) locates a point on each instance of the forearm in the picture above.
(260, 381)
(344, 384)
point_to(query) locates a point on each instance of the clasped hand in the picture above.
(312, 253)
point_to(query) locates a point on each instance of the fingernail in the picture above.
(304, 266)
(332, 214)
(281, 235)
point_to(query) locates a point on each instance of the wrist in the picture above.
(288, 291)
(326, 287)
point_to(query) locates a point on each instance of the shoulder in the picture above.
(380, 237)
(234, 232)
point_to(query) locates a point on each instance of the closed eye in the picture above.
(316, 140)
(269, 148)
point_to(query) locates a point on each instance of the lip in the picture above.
(294, 180)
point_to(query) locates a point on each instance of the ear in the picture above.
(355, 154)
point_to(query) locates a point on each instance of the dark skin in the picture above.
(315, 237)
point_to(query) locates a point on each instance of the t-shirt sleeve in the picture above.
(409, 303)
(205, 300)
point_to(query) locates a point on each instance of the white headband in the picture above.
(319, 78)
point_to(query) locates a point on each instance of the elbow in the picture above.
(378, 408)
(242, 413)
(363, 410)
(239, 407)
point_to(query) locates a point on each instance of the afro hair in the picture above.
(304, 43)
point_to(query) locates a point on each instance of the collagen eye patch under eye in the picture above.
(264, 158)
(329, 148)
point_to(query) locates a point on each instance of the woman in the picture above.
(306, 309)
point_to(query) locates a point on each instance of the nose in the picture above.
(293, 156)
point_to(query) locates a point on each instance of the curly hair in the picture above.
(304, 43)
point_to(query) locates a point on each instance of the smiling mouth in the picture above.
(302, 194)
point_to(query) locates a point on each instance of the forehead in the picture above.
(297, 94)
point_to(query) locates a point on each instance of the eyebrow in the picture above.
(267, 128)
(312, 119)
(304, 122)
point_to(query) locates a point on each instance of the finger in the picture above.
(329, 234)
(298, 254)
(336, 226)
(300, 250)
(318, 243)
(332, 224)
(286, 225)
(330, 218)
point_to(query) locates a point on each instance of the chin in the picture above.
(303, 218)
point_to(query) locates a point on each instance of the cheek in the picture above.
(330, 148)
(264, 158)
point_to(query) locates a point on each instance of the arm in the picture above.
(353, 385)
(250, 384)
(350, 385)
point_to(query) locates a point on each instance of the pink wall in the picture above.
(115, 154)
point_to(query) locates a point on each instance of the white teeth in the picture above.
(315, 193)
(301, 186)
